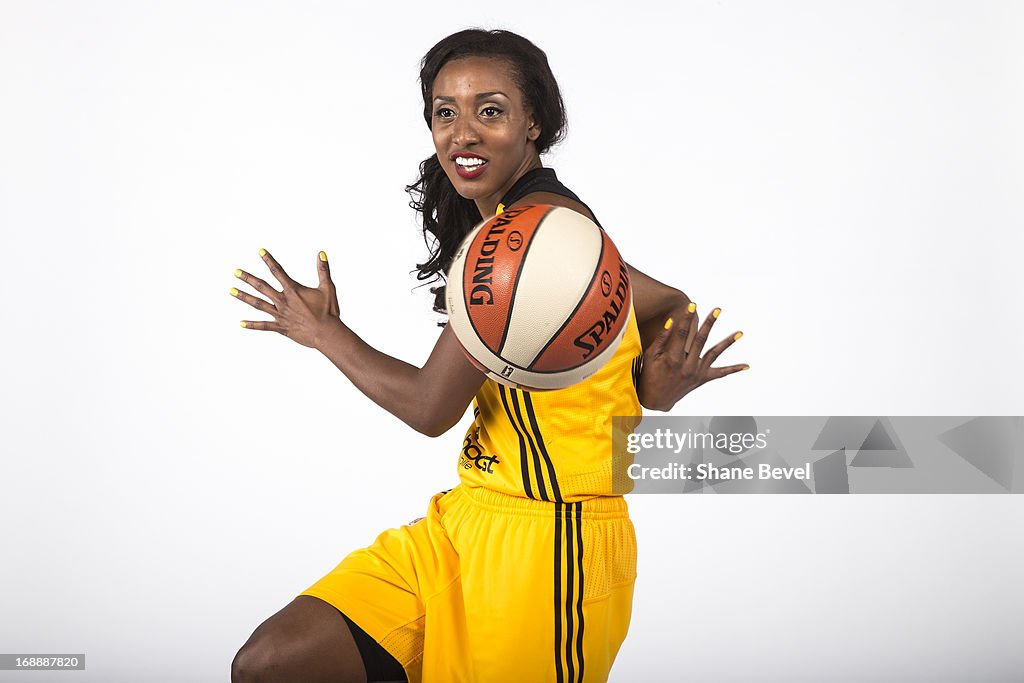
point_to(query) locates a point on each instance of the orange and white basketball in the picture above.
(538, 297)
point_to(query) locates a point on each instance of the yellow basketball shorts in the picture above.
(491, 588)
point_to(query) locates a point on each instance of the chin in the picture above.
(469, 190)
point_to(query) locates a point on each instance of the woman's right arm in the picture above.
(431, 399)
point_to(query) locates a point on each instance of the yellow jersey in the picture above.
(553, 445)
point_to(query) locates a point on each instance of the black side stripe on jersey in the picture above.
(531, 438)
(638, 366)
(543, 449)
(524, 466)
(571, 609)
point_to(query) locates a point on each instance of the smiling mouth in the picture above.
(469, 167)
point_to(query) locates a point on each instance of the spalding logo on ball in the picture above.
(538, 297)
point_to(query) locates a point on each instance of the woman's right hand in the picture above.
(303, 314)
(430, 399)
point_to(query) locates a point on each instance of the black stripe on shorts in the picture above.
(569, 612)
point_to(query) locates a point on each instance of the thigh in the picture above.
(561, 582)
(386, 587)
(308, 640)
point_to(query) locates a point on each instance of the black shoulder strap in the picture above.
(540, 180)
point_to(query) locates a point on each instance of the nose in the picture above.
(464, 132)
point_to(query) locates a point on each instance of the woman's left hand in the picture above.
(673, 366)
(300, 313)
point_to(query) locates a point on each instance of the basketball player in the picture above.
(525, 570)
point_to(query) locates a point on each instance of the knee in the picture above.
(270, 659)
(251, 665)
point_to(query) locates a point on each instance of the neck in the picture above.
(489, 204)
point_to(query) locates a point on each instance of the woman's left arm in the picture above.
(672, 343)
(654, 302)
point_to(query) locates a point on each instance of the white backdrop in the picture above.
(843, 179)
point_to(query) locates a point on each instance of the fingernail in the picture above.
(263, 252)
(323, 256)
(737, 335)
(692, 307)
(238, 273)
(668, 324)
(234, 292)
(746, 367)
(243, 323)
(716, 312)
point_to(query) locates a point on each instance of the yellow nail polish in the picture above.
(715, 313)
(238, 273)
(668, 324)
(737, 335)
(234, 292)
(263, 252)
(746, 367)
(692, 307)
(243, 323)
(323, 256)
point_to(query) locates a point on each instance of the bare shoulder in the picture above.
(555, 200)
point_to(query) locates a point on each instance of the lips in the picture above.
(468, 165)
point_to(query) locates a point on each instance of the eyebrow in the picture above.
(481, 96)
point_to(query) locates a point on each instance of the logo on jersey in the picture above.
(473, 456)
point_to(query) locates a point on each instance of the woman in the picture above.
(525, 570)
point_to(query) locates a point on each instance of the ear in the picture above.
(533, 129)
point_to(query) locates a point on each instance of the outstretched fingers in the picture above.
(712, 355)
(682, 333)
(323, 269)
(700, 337)
(259, 285)
(256, 302)
(660, 342)
(267, 325)
(259, 304)
(715, 373)
(715, 351)
(276, 270)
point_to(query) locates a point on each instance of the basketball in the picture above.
(538, 297)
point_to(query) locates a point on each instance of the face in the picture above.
(482, 131)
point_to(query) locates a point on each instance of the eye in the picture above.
(444, 113)
(490, 111)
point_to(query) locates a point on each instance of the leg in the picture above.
(306, 642)
(559, 576)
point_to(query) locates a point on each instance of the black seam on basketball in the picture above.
(579, 595)
(515, 284)
(465, 301)
(533, 448)
(559, 665)
(530, 413)
(524, 463)
(565, 323)
(557, 372)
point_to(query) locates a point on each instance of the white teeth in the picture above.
(468, 161)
